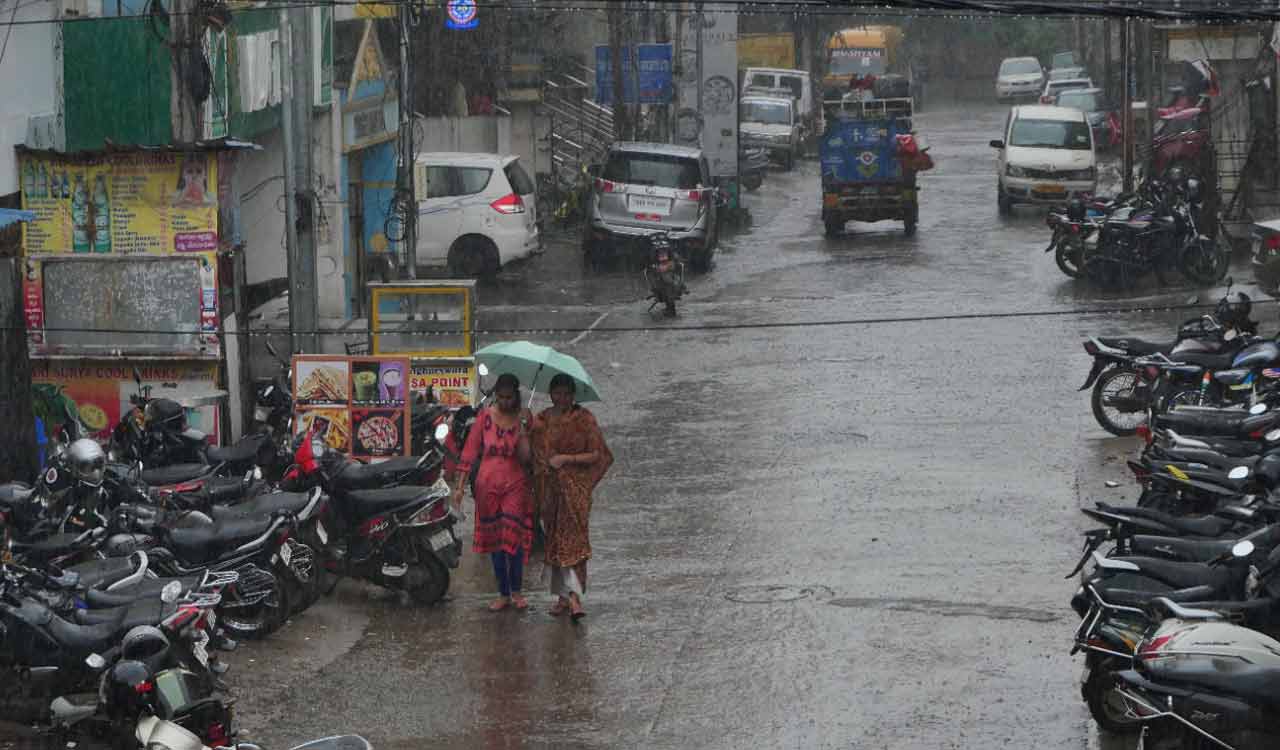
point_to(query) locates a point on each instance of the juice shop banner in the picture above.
(159, 203)
(357, 405)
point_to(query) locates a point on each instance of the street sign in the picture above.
(461, 14)
(654, 61)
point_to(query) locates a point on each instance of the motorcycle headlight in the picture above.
(1013, 171)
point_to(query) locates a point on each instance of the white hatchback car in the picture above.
(1019, 77)
(476, 212)
(1046, 156)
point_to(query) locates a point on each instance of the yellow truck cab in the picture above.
(864, 50)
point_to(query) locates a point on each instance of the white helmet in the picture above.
(88, 462)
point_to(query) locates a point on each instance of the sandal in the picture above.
(499, 604)
(575, 609)
(559, 607)
(520, 602)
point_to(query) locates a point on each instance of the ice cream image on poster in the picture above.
(101, 216)
(392, 381)
(79, 216)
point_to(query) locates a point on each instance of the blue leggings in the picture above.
(509, 570)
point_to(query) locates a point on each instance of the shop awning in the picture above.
(12, 216)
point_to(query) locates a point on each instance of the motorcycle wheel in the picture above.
(1203, 263)
(1067, 255)
(1105, 704)
(431, 575)
(1117, 383)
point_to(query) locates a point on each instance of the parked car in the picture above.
(770, 122)
(1045, 156)
(476, 212)
(651, 187)
(797, 84)
(1073, 71)
(1103, 118)
(1063, 60)
(1018, 77)
(1053, 88)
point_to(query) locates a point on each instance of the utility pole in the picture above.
(1126, 103)
(408, 202)
(620, 125)
(185, 122)
(18, 449)
(300, 237)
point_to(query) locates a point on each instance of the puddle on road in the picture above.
(948, 609)
(777, 593)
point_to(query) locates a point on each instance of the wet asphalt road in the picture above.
(847, 536)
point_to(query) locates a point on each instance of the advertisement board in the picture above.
(452, 384)
(151, 202)
(707, 115)
(357, 405)
(653, 63)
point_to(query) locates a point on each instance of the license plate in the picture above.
(286, 553)
(1084, 674)
(1048, 189)
(199, 649)
(647, 204)
(320, 532)
(440, 540)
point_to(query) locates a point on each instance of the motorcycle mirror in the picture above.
(1242, 549)
(1238, 473)
(137, 377)
(171, 591)
(1229, 335)
(1272, 436)
(442, 432)
(95, 661)
(1257, 409)
(483, 369)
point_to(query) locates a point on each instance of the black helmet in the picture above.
(1076, 210)
(126, 689)
(1233, 309)
(1175, 176)
(165, 413)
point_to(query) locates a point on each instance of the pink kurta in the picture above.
(504, 506)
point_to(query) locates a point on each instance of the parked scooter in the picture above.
(753, 164)
(664, 273)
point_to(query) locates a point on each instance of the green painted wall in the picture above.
(115, 75)
(250, 124)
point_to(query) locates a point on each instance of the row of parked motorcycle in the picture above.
(127, 573)
(1159, 228)
(1179, 594)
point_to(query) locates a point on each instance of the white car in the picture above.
(1019, 77)
(476, 212)
(1046, 156)
(1057, 85)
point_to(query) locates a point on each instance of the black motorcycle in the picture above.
(155, 432)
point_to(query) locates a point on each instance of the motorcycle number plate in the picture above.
(440, 540)
(200, 650)
(321, 533)
(286, 553)
(1084, 674)
(649, 204)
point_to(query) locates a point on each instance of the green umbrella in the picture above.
(536, 365)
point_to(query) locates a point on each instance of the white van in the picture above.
(476, 212)
(1045, 156)
(797, 84)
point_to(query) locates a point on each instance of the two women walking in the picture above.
(563, 450)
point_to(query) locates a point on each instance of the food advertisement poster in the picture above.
(156, 203)
(358, 405)
(452, 384)
(99, 392)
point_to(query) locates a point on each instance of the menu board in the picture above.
(158, 203)
(357, 405)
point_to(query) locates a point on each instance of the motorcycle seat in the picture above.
(49, 547)
(103, 573)
(1206, 456)
(244, 451)
(1214, 422)
(226, 490)
(1204, 526)
(358, 476)
(204, 542)
(176, 474)
(1137, 346)
(142, 612)
(15, 493)
(1186, 574)
(145, 591)
(1125, 597)
(372, 502)
(1249, 681)
(83, 639)
(1191, 550)
(264, 505)
(1206, 360)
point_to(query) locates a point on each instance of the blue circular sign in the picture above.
(462, 12)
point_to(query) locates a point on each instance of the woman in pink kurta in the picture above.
(504, 507)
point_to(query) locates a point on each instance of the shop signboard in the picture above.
(450, 383)
(358, 405)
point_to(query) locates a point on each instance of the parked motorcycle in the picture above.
(753, 165)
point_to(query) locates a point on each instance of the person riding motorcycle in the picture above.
(665, 273)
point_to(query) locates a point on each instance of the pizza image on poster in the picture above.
(378, 432)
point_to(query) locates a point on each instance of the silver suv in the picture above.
(644, 188)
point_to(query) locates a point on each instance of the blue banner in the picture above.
(655, 74)
(461, 14)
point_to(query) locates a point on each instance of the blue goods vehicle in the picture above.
(866, 175)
